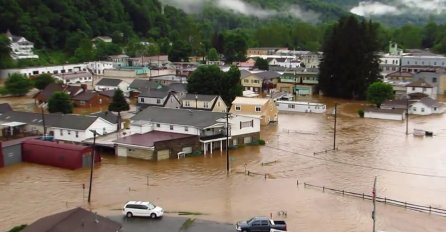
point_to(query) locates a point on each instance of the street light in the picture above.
(93, 153)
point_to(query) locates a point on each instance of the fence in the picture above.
(387, 201)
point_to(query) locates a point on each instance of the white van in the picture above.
(142, 209)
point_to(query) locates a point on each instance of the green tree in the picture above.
(18, 228)
(43, 80)
(103, 50)
(85, 51)
(213, 55)
(18, 85)
(350, 61)
(118, 104)
(60, 102)
(235, 46)
(261, 64)
(5, 52)
(180, 51)
(210, 79)
(378, 92)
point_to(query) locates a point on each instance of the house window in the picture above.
(413, 88)
(158, 101)
(187, 103)
(171, 127)
(246, 81)
(104, 131)
(69, 132)
(158, 125)
(141, 99)
(246, 124)
(414, 109)
(186, 128)
(434, 80)
(258, 108)
(291, 106)
(435, 108)
(77, 134)
(61, 132)
(237, 108)
(206, 104)
(422, 109)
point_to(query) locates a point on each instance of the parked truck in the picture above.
(260, 224)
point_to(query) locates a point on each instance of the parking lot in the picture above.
(170, 224)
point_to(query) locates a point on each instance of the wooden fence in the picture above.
(387, 201)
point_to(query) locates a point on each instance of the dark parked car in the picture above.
(260, 224)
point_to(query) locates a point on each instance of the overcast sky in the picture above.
(397, 7)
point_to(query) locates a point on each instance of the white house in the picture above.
(21, 48)
(112, 84)
(426, 106)
(303, 107)
(98, 67)
(64, 127)
(75, 77)
(209, 126)
(155, 97)
(421, 88)
(55, 69)
(389, 114)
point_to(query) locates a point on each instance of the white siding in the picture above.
(386, 116)
(235, 125)
(419, 108)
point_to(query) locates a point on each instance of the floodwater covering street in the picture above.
(408, 168)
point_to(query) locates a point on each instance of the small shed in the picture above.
(69, 156)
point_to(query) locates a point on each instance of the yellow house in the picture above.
(264, 108)
(212, 103)
(260, 82)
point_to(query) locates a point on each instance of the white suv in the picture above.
(142, 209)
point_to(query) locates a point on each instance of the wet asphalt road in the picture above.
(170, 224)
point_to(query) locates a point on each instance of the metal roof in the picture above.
(199, 97)
(109, 82)
(195, 118)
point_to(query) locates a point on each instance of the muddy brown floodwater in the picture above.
(408, 169)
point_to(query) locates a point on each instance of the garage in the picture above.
(163, 154)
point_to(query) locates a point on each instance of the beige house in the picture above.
(261, 81)
(212, 103)
(264, 108)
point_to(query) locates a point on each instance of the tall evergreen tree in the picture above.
(60, 102)
(118, 104)
(350, 61)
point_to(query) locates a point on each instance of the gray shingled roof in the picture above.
(419, 83)
(140, 85)
(200, 97)
(109, 82)
(77, 219)
(244, 73)
(267, 75)
(85, 96)
(154, 93)
(178, 87)
(107, 115)
(196, 118)
(430, 102)
(69, 121)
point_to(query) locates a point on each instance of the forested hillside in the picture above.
(63, 29)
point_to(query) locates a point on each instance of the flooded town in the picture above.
(268, 116)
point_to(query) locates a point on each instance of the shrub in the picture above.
(17, 228)
(361, 113)
(261, 142)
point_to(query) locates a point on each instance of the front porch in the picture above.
(210, 143)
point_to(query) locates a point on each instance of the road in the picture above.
(170, 224)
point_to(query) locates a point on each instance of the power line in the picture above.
(357, 165)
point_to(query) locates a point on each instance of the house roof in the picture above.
(149, 139)
(109, 82)
(5, 107)
(396, 103)
(178, 87)
(74, 75)
(250, 101)
(199, 97)
(267, 75)
(50, 89)
(69, 121)
(430, 102)
(109, 93)
(107, 115)
(140, 84)
(73, 220)
(400, 74)
(196, 118)
(85, 95)
(419, 83)
(154, 93)
(385, 111)
(244, 73)
(423, 75)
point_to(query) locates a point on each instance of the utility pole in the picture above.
(43, 123)
(407, 116)
(227, 141)
(374, 205)
(334, 132)
(93, 153)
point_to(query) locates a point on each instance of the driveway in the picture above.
(170, 224)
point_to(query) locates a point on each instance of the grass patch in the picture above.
(187, 224)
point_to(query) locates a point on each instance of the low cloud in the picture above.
(397, 7)
(242, 7)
